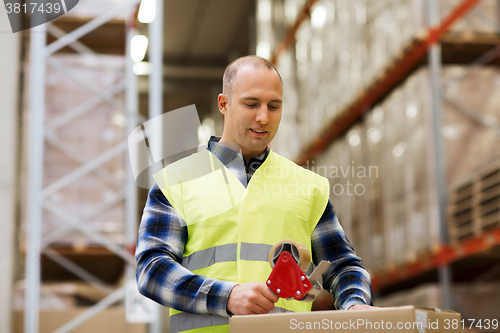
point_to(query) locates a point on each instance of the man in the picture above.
(205, 236)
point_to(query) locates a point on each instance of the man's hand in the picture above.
(362, 307)
(251, 298)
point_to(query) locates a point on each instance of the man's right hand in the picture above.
(251, 298)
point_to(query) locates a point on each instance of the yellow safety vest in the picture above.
(231, 229)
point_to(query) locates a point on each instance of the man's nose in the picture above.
(262, 116)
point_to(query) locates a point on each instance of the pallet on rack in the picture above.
(465, 47)
(475, 205)
(487, 201)
(95, 259)
(480, 252)
(460, 212)
(473, 302)
(109, 38)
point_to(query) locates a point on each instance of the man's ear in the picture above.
(222, 102)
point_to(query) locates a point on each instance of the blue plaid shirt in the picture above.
(163, 234)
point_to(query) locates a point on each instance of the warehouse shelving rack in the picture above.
(434, 46)
(37, 196)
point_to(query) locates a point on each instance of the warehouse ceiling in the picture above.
(206, 32)
(200, 38)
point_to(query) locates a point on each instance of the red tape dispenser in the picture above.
(287, 279)
(290, 260)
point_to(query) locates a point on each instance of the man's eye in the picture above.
(273, 107)
(251, 105)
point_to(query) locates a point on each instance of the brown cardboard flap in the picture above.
(390, 319)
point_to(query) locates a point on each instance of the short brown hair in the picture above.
(229, 78)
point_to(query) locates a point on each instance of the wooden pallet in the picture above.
(474, 206)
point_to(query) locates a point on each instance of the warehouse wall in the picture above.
(9, 67)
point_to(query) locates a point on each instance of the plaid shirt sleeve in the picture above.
(160, 276)
(347, 279)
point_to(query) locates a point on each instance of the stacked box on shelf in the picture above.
(339, 187)
(350, 49)
(330, 90)
(340, 51)
(338, 183)
(386, 160)
(395, 136)
(470, 97)
(79, 141)
(330, 165)
(292, 9)
(279, 19)
(343, 165)
(391, 25)
(380, 24)
(478, 304)
(402, 208)
(374, 129)
(315, 83)
(348, 44)
(264, 33)
(356, 182)
(408, 191)
(287, 141)
(410, 212)
(422, 220)
(303, 88)
(271, 21)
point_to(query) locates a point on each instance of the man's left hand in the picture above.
(362, 307)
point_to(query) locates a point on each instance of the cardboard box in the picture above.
(477, 304)
(111, 320)
(395, 319)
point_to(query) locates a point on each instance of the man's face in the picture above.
(253, 116)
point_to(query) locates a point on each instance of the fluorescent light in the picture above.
(399, 149)
(264, 50)
(374, 135)
(354, 140)
(411, 111)
(318, 16)
(450, 132)
(378, 115)
(142, 68)
(147, 11)
(290, 12)
(264, 10)
(139, 47)
(316, 49)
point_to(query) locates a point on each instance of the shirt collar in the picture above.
(227, 155)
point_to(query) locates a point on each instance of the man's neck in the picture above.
(247, 155)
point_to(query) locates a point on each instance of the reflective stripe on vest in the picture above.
(255, 252)
(208, 257)
(227, 252)
(189, 321)
(232, 229)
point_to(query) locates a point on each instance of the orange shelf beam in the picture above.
(289, 39)
(446, 255)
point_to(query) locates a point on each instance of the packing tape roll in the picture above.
(299, 252)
